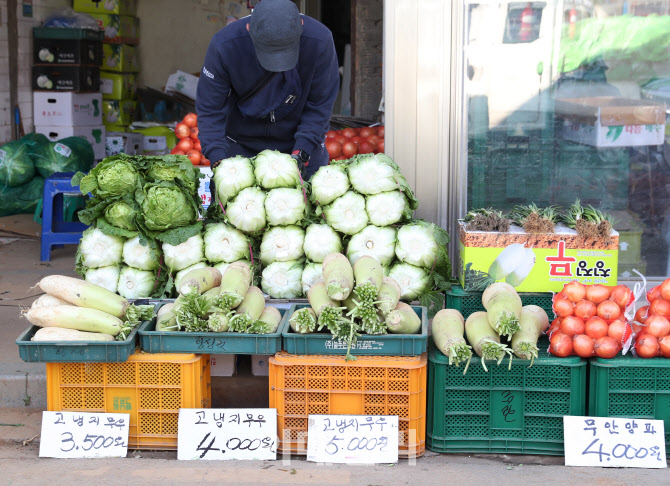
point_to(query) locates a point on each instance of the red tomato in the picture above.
(367, 131)
(365, 148)
(348, 132)
(331, 134)
(380, 147)
(194, 133)
(334, 148)
(194, 156)
(380, 131)
(191, 120)
(182, 131)
(185, 144)
(349, 149)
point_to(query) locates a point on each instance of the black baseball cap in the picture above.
(275, 28)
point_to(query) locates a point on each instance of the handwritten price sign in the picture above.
(353, 439)
(614, 442)
(81, 434)
(224, 434)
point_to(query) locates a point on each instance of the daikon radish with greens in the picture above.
(448, 328)
(218, 322)
(338, 276)
(165, 319)
(60, 334)
(403, 321)
(46, 300)
(389, 295)
(84, 294)
(328, 311)
(271, 317)
(249, 310)
(200, 280)
(73, 317)
(303, 321)
(235, 282)
(503, 308)
(484, 339)
(534, 322)
(368, 275)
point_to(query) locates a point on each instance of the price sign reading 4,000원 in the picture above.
(614, 442)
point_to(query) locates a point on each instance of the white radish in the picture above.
(60, 334)
(47, 300)
(72, 317)
(84, 294)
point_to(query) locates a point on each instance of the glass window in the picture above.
(566, 100)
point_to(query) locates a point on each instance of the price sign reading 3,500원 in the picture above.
(614, 442)
(81, 434)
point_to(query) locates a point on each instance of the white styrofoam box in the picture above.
(259, 365)
(183, 83)
(128, 143)
(67, 109)
(222, 364)
(203, 190)
(95, 135)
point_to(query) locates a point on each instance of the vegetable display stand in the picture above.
(74, 351)
(469, 302)
(501, 411)
(631, 387)
(150, 387)
(365, 345)
(152, 341)
(304, 385)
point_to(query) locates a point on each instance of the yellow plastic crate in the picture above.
(150, 387)
(371, 385)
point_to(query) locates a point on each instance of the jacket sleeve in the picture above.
(315, 120)
(213, 105)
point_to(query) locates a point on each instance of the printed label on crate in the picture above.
(64, 150)
(359, 344)
(81, 434)
(227, 433)
(353, 439)
(614, 442)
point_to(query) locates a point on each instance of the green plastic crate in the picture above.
(366, 345)
(74, 352)
(469, 302)
(67, 33)
(631, 387)
(152, 341)
(501, 411)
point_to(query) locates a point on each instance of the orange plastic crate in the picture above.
(150, 387)
(370, 385)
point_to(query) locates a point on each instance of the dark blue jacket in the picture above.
(231, 69)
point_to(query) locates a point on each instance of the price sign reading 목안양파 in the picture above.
(82, 434)
(227, 433)
(614, 442)
(353, 439)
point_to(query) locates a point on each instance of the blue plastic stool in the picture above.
(55, 230)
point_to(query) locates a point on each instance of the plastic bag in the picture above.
(71, 154)
(69, 19)
(21, 199)
(16, 165)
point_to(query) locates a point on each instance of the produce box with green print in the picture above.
(123, 7)
(118, 113)
(117, 86)
(535, 262)
(119, 29)
(120, 58)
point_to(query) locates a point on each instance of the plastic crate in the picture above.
(304, 385)
(366, 345)
(152, 341)
(502, 411)
(73, 351)
(468, 302)
(631, 387)
(150, 387)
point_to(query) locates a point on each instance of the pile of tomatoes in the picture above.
(651, 326)
(189, 144)
(344, 144)
(590, 320)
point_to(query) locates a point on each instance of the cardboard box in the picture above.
(115, 112)
(67, 51)
(259, 365)
(611, 122)
(123, 143)
(203, 190)
(560, 257)
(66, 78)
(94, 134)
(223, 364)
(120, 58)
(119, 29)
(119, 7)
(67, 109)
(158, 140)
(184, 83)
(117, 86)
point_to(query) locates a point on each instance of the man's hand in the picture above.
(302, 158)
